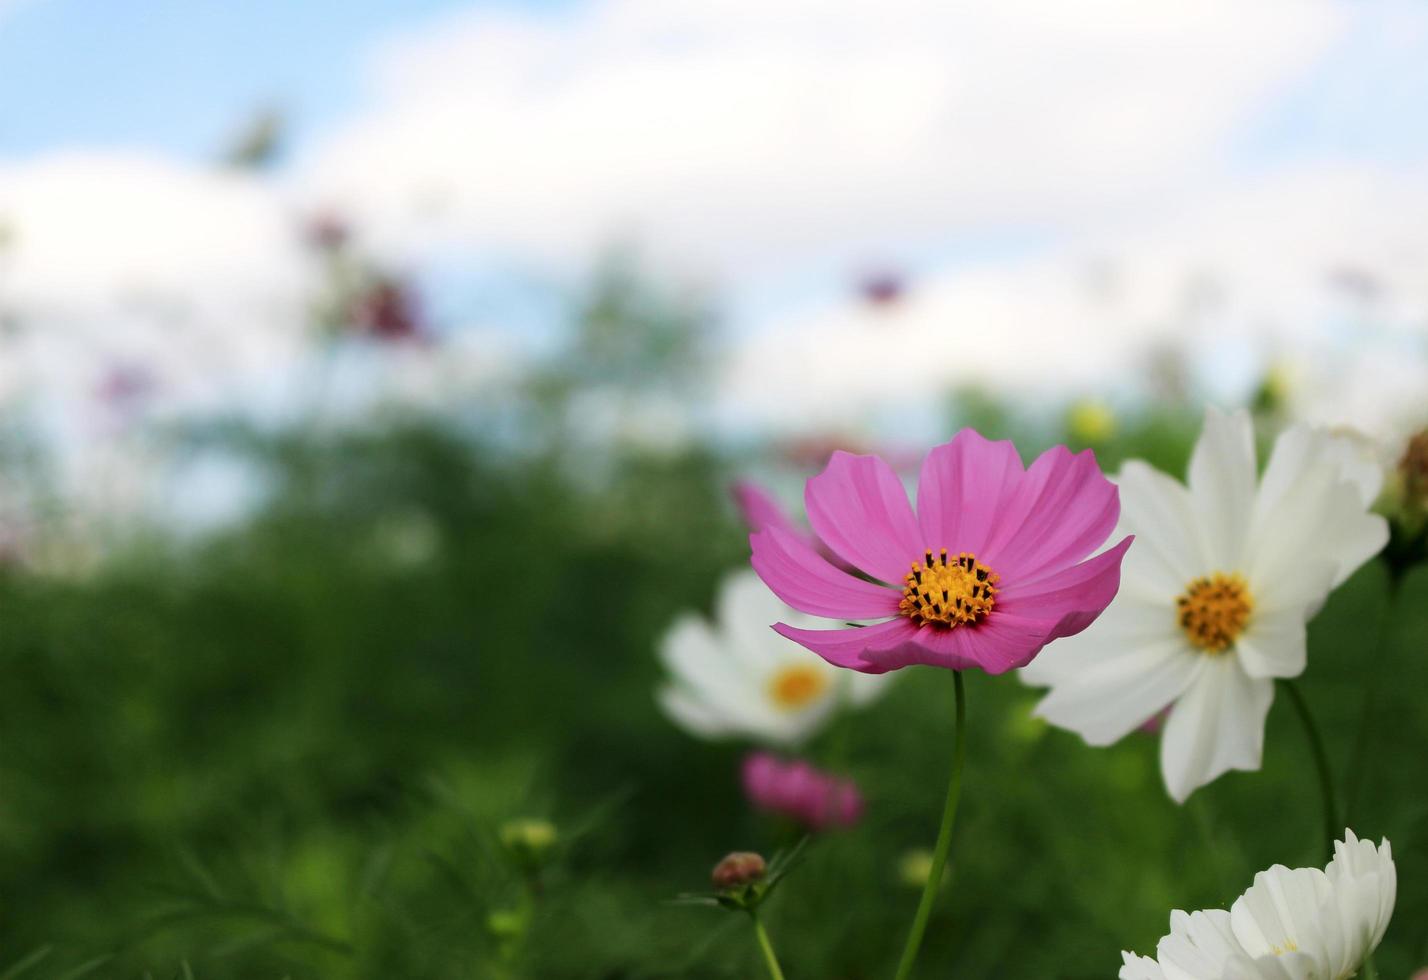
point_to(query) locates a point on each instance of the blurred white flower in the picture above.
(1215, 594)
(737, 677)
(1292, 924)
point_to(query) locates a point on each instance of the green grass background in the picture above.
(285, 752)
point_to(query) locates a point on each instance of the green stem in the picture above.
(1332, 829)
(1370, 971)
(944, 837)
(770, 958)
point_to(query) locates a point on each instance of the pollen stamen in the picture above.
(1214, 611)
(950, 594)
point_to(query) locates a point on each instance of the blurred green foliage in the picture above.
(291, 751)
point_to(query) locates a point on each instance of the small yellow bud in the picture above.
(529, 840)
(915, 867)
(1091, 422)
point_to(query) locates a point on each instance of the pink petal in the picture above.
(1064, 509)
(962, 487)
(1086, 588)
(849, 647)
(983, 647)
(933, 645)
(1003, 642)
(758, 508)
(797, 575)
(761, 778)
(1057, 605)
(858, 507)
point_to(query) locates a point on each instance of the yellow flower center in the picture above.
(1215, 610)
(796, 685)
(948, 592)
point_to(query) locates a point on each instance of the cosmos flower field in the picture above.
(423, 716)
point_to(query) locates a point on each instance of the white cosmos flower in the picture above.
(1292, 924)
(1215, 594)
(738, 677)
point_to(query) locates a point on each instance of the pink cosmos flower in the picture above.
(795, 789)
(760, 510)
(992, 566)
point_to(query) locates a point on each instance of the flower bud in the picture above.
(506, 924)
(738, 869)
(915, 867)
(529, 840)
(1091, 422)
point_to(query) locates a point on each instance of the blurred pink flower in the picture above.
(327, 231)
(991, 568)
(793, 788)
(882, 288)
(123, 386)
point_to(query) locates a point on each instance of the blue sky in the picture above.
(182, 75)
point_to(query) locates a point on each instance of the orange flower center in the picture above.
(796, 685)
(952, 593)
(1215, 610)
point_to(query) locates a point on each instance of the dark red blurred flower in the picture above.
(389, 311)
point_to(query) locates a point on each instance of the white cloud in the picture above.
(1323, 270)
(737, 133)
(115, 260)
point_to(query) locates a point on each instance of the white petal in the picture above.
(745, 612)
(702, 668)
(1280, 913)
(1369, 875)
(1200, 945)
(1319, 517)
(1169, 548)
(1273, 645)
(1217, 725)
(864, 688)
(695, 717)
(1140, 968)
(1301, 447)
(1295, 453)
(1300, 583)
(1358, 459)
(1290, 966)
(1127, 624)
(1114, 697)
(1222, 484)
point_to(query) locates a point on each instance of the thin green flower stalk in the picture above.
(766, 946)
(944, 837)
(742, 882)
(1321, 762)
